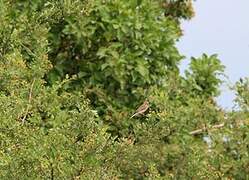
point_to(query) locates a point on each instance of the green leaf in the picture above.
(102, 52)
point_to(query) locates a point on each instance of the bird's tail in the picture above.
(135, 114)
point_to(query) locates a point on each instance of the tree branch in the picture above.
(29, 101)
(199, 131)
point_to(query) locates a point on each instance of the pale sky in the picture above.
(219, 27)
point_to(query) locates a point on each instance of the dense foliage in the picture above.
(71, 75)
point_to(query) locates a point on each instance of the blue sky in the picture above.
(219, 27)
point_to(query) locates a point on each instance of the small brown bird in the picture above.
(142, 109)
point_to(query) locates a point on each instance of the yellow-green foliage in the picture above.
(71, 74)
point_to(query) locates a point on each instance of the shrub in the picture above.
(204, 75)
(117, 47)
(71, 73)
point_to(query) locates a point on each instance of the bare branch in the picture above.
(218, 126)
(199, 131)
(29, 101)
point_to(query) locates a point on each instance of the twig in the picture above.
(52, 171)
(218, 126)
(29, 101)
(199, 131)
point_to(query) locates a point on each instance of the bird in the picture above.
(142, 109)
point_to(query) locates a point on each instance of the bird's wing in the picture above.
(142, 107)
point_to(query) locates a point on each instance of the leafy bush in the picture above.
(204, 76)
(71, 74)
(117, 47)
(178, 8)
(242, 87)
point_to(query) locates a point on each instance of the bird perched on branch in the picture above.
(142, 109)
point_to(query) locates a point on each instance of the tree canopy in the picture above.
(73, 72)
